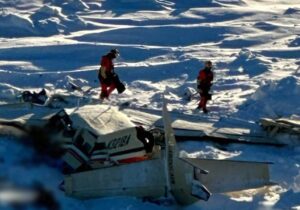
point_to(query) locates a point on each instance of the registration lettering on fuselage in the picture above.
(119, 142)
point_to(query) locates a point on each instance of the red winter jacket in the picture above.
(108, 64)
(205, 79)
(106, 70)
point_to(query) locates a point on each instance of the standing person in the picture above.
(109, 80)
(204, 83)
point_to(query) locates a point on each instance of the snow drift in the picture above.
(46, 21)
(14, 25)
(271, 100)
(248, 62)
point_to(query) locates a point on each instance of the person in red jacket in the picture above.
(204, 83)
(106, 74)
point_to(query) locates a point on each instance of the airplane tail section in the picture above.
(191, 179)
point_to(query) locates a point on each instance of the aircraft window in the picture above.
(100, 146)
(66, 121)
(146, 138)
(81, 145)
(60, 121)
(61, 113)
(55, 123)
(79, 140)
(69, 133)
(94, 135)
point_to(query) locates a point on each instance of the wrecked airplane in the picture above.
(165, 174)
(108, 155)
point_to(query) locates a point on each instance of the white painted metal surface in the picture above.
(229, 176)
(187, 179)
(140, 179)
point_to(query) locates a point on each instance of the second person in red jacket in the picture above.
(204, 83)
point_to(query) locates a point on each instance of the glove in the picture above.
(110, 75)
(108, 81)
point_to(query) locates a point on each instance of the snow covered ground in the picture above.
(254, 45)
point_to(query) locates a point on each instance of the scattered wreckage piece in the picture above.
(89, 136)
(198, 128)
(34, 97)
(280, 125)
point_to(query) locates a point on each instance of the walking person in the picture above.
(204, 83)
(109, 80)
